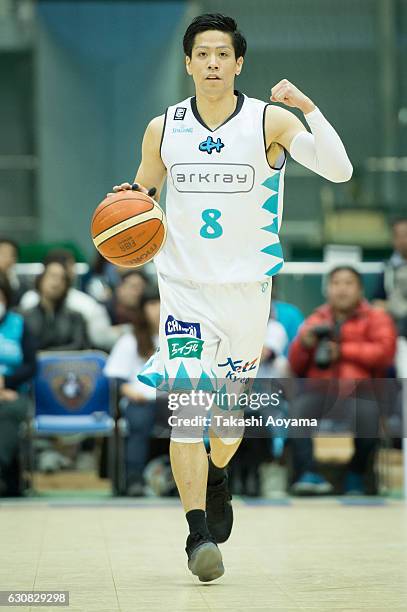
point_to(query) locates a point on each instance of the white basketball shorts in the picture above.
(210, 335)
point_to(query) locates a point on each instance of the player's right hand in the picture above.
(134, 187)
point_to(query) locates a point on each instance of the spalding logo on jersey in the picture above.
(212, 178)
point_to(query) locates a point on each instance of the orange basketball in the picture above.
(128, 228)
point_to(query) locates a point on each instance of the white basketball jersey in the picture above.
(224, 201)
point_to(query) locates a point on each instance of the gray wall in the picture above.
(104, 70)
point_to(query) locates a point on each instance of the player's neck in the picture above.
(214, 110)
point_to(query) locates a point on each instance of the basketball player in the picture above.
(224, 157)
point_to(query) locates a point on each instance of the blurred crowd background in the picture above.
(79, 82)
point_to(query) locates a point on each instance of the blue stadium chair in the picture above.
(73, 396)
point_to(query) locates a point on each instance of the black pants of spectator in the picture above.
(359, 413)
(140, 418)
(12, 414)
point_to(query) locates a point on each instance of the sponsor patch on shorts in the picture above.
(186, 348)
(175, 327)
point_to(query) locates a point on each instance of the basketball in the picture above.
(128, 228)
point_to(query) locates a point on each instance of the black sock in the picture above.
(197, 521)
(215, 474)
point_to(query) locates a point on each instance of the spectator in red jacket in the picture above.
(346, 339)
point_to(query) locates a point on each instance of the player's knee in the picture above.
(227, 426)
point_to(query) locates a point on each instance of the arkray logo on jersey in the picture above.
(177, 327)
(212, 178)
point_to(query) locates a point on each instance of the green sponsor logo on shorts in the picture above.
(185, 347)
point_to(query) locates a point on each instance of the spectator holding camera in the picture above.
(346, 339)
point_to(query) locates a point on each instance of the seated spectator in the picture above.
(123, 307)
(101, 333)
(101, 279)
(290, 317)
(273, 363)
(52, 324)
(17, 366)
(391, 293)
(343, 340)
(8, 260)
(138, 400)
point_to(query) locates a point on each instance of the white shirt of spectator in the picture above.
(276, 340)
(125, 362)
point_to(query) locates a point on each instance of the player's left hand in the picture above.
(286, 93)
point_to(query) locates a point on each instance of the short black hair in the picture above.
(347, 268)
(214, 21)
(11, 242)
(5, 288)
(63, 256)
(125, 275)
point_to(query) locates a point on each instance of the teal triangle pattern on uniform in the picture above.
(215, 378)
(222, 398)
(152, 379)
(205, 383)
(272, 182)
(165, 384)
(273, 227)
(271, 204)
(182, 380)
(275, 269)
(273, 249)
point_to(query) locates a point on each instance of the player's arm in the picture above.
(322, 150)
(151, 172)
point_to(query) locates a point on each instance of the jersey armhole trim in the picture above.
(162, 135)
(265, 144)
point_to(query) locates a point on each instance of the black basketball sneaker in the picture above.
(204, 557)
(219, 511)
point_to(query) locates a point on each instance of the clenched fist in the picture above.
(288, 94)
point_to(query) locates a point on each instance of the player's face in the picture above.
(344, 291)
(213, 64)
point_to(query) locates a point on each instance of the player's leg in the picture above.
(238, 359)
(218, 497)
(189, 464)
(221, 453)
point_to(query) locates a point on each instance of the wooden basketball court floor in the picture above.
(314, 554)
